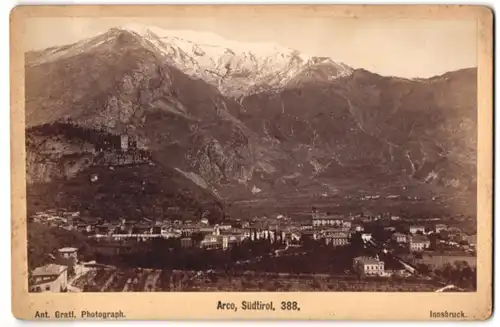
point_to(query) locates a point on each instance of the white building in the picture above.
(124, 142)
(440, 227)
(225, 227)
(49, 278)
(400, 237)
(358, 228)
(320, 219)
(366, 237)
(346, 224)
(336, 238)
(213, 242)
(68, 252)
(368, 266)
(419, 243)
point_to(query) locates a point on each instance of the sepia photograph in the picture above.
(255, 153)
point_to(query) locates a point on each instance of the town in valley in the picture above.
(323, 252)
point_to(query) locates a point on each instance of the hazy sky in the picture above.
(405, 48)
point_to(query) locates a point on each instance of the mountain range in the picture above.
(231, 121)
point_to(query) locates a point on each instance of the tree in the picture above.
(316, 284)
(460, 264)
(424, 268)
(357, 242)
(213, 278)
(445, 272)
(444, 235)
(197, 237)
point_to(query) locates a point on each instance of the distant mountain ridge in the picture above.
(270, 125)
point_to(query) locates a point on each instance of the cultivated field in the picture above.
(155, 280)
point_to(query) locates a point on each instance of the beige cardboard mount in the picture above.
(314, 305)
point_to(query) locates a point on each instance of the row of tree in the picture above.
(169, 254)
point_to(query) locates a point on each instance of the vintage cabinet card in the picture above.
(252, 162)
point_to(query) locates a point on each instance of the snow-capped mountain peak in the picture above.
(207, 39)
(235, 68)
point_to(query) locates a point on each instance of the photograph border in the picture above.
(314, 305)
